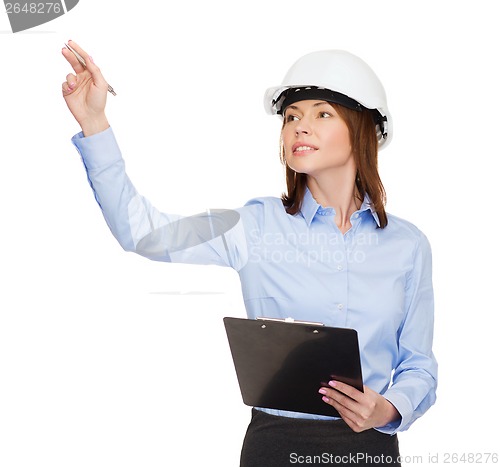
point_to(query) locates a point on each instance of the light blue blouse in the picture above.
(377, 281)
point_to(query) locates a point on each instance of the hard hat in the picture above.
(336, 76)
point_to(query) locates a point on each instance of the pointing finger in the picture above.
(81, 60)
(94, 70)
(73, 61)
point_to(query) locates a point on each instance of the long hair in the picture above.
(364, 144)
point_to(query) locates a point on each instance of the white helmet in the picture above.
(336, 76)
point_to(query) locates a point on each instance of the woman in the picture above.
(327, 251)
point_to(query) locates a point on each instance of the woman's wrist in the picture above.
(391, 413)
(92, 126)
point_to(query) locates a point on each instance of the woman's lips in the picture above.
(300, 149)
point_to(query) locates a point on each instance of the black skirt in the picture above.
(273, 441)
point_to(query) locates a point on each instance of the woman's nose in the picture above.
(303, 127)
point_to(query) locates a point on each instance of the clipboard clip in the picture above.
(290, 320)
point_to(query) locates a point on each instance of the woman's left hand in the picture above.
(360, 410)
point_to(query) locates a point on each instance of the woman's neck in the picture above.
(339, 193)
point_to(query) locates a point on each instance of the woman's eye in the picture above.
(291, 118)
(325, 114)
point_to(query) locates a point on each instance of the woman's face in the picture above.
(315, 138)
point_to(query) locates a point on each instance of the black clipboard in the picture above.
(282, 365)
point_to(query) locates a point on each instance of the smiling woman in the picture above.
(326, 252)
(354, 131)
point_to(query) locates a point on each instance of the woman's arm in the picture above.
(413, 388)
(212, 237)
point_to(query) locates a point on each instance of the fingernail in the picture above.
(322, 391)
(91, 59)
(332, 383)
(325, 399)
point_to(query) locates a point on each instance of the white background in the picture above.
(107, 359)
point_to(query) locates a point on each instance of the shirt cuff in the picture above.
(98, 150)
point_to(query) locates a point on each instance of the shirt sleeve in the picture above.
(211, 237)
(413, 390)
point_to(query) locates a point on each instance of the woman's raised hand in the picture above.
(85, 92)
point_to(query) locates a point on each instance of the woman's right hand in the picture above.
(85, 92)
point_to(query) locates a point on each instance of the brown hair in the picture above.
(364, 143)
